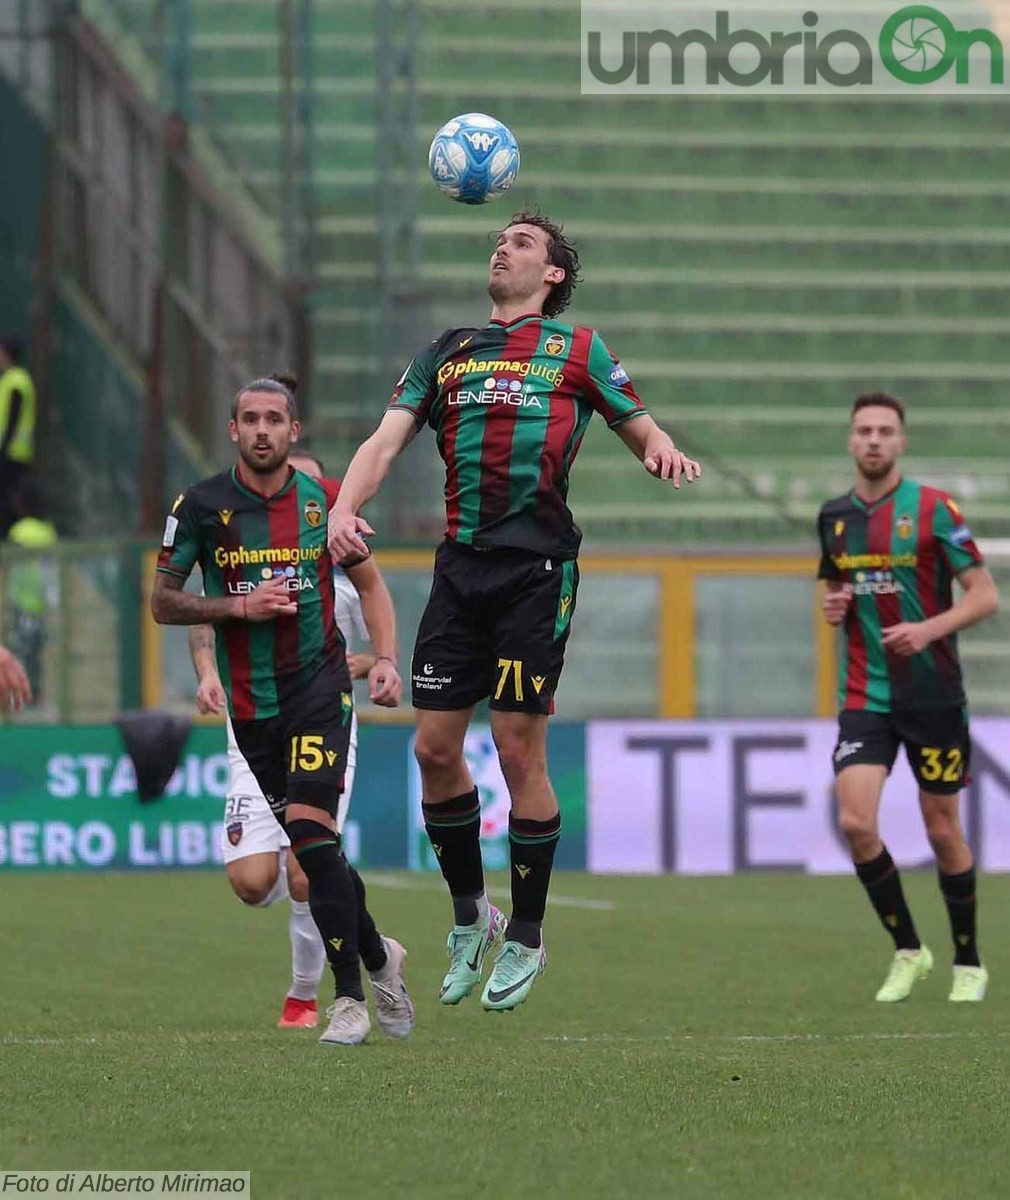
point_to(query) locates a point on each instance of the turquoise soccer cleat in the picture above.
(515, 971)
(468, 946)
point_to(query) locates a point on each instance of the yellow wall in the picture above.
(678, 576)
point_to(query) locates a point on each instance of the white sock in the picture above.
(483, 909)
(308, 955)
(280, 889)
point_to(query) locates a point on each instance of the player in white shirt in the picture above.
(256, 849)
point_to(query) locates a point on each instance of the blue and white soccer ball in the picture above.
(474, 158)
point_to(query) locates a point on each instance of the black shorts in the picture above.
(937, 743)
(495, 625)
(300, 756)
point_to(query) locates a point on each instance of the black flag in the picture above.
(154, 741)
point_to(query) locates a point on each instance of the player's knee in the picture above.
(251, 891)
(316, 848)
(521, 758)
(435, 754)
(518, 768)
(944, 833)
(858, 828)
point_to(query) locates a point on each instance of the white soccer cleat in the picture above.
(393, 1008)
(349, 1024)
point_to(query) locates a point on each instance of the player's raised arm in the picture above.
(363, 478)
(654, 448)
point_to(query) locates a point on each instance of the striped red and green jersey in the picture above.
(239, 538)
(900, 556)
(509, 405)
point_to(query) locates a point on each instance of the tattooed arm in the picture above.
(170, 605)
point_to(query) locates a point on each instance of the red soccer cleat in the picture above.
(298, 1014)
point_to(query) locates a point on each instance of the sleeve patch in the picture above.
(168, 537)
(960, 535)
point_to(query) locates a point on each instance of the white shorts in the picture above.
(249, 825)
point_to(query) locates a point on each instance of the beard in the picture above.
(874, 471)
(263, 466)
(498, 289)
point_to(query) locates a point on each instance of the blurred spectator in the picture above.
(31, 586)
(17, 426)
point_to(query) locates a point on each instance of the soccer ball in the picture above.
(473, 158)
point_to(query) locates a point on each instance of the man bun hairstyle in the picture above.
(560, 253)
(879, 400)
(280, 383)
(288, 378)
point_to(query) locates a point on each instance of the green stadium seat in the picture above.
(755, 262)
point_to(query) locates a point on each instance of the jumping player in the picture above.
(509, 404)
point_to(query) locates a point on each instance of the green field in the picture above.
(691, 1038)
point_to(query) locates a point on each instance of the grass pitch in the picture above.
(690, 1038)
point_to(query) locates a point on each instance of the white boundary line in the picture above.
(757, 1038)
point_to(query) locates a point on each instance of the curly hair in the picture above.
(560, 253)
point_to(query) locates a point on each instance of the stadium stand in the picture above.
(752, 281)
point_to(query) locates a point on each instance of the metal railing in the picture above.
(145, 263)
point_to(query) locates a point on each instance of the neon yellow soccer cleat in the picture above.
(907, 968)
(969, 986)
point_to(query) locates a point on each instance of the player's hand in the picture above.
(15, 690)
(210, 697)
(268, 600)
(667, 462)
(907, 638)
(385, 687)
(360, 664)
(836, 604)
(345, 537)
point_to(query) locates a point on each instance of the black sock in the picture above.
(531, 850)
(454, 830)
(959, 896)
(332, 901)
(370, 944)
(883, 885)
